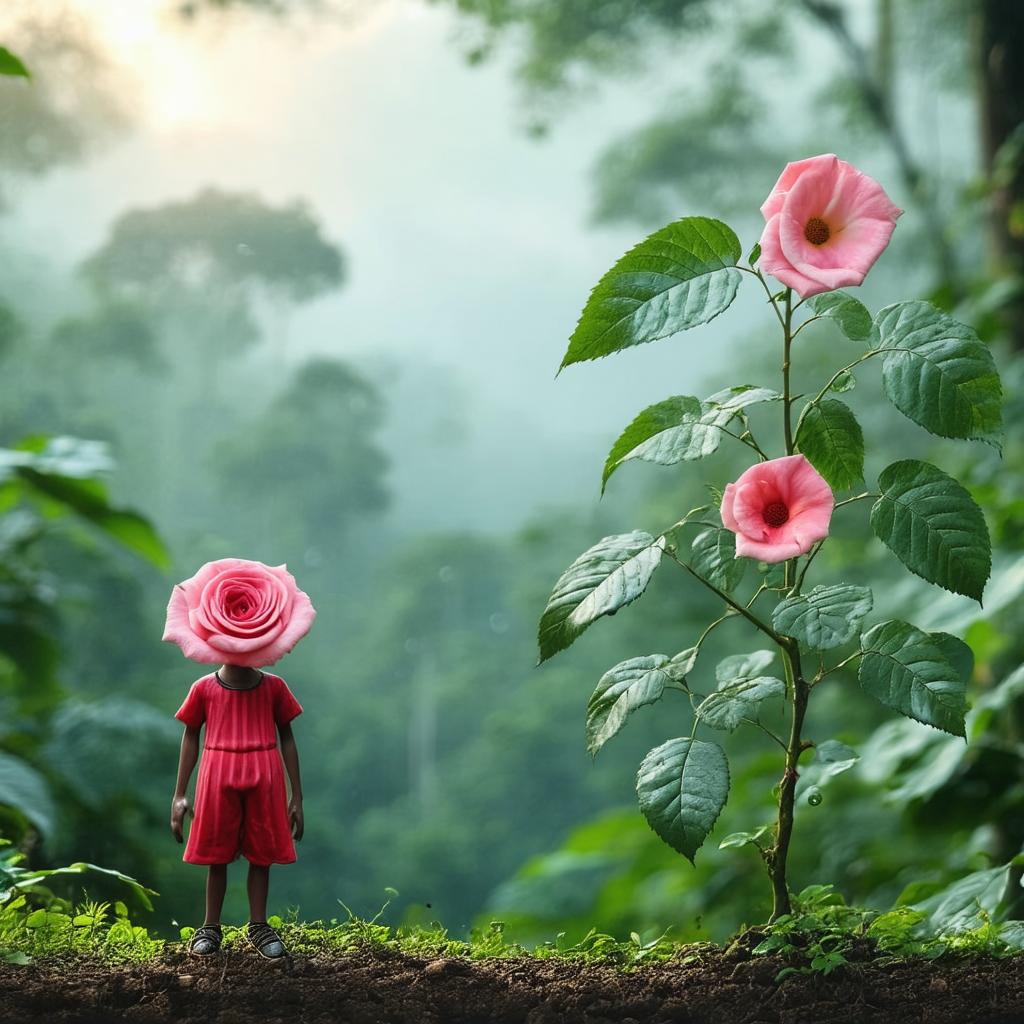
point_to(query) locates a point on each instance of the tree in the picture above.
(72, 103)
(308, 466)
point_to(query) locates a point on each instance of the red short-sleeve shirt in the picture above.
(239, 719)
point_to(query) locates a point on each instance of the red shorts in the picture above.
(241, 808)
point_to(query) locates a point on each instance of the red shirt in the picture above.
(239, 719)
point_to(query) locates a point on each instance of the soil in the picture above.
(380, 987)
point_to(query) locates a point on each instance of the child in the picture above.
(255, 613)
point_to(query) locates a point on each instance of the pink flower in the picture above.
(778, 509)
(827, 223)
(237, 611)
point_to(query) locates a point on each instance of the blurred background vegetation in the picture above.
(290, 281)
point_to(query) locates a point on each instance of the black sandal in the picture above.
(206, 940)
(265, 940)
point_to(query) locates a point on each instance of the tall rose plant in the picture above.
(826, 223)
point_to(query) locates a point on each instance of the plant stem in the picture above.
(796, 685)
(787, 341)
(776, 856)
(748, 615)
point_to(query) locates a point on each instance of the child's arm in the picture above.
(186, 762)
(290, 755)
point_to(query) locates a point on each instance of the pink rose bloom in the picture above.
(237, 611)
(778, 509)
(827, 223)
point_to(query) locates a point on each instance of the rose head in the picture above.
(238, 611)
(827, 223)
(778, 509)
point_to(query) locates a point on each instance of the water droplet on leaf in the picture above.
(814, 796)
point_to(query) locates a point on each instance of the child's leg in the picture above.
(216, 885)
(258, 885)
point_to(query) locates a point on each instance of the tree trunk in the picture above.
(999, 54)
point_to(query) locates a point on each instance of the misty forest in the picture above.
(294, 281)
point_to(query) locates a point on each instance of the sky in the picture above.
(468, 243)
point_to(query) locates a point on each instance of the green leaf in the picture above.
(142, 892)
(666, 433)
(933, 526)
(966, 904)
(724, 405)
(845, 381)
(681, 664)
(620, 691)
(88, 499)
(24, 789)
(682, 787)
(12, 65)
(906, 670)
(938, 373)
(680, 277)
(755, 254)
(827, 617)
(681, 429)
(958, 653)
(713, 555)
(742, 686)
(737, 839)
(611, 574)
(851, 316)
(832, 758)
(831, 438)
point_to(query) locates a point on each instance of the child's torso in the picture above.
(240, 719)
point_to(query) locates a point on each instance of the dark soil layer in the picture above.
(371, 987)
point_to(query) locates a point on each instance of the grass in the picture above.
(822, 935)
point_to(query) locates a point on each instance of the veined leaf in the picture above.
(968, 903)
(603, 579)
(833, 442)
(713, 555)
(932, 524)
(680, 277)
(723, 405)
(850, 315)
(742, 686)
(682, 787)
(620, 691)
(827, 617)
(681, 664)
(905, 669)
(668, 432)
(938, 373)
(681, 429)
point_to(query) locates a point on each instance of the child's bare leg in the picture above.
(216, 885)
(258, 884)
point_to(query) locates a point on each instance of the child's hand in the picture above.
(179, 805)
(295, 817)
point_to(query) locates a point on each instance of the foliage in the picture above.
(935, 371)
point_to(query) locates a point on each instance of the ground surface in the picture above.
(381, 986)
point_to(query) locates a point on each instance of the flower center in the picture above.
(775, 513)
(816, 231)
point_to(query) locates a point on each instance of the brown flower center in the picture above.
(816, 231)
(775, 513)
